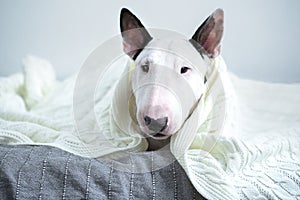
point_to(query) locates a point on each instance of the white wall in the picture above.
(261, 41)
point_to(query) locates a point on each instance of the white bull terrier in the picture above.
(158, 112)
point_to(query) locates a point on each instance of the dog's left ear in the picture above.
(135, 36)
(207, 38)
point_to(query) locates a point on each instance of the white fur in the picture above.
(155, 91)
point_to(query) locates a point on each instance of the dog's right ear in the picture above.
(135, 36)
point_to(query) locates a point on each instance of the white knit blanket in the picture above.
(260, 162)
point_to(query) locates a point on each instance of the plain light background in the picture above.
(261, 38)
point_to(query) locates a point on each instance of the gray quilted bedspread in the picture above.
(43, 172)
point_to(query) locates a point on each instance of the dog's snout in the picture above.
(156, 125)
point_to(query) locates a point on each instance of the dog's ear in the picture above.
(207, 38)
(135, 36)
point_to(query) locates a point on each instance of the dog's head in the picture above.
(159, 112)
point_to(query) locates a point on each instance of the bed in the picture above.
(45, 172)
(42, 158)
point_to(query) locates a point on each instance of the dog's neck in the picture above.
(154, 144)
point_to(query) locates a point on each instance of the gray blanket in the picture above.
(43, 172)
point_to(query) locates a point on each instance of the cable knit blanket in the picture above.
(255, 156)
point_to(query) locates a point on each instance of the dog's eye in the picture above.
(145, 67)
(184, 70)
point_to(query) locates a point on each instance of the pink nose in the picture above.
(156, 125)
